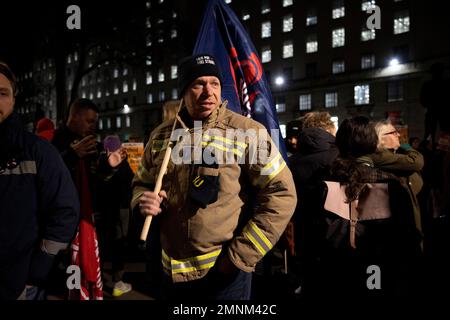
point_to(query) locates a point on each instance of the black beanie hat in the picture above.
(193, 67)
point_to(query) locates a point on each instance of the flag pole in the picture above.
(159, 179)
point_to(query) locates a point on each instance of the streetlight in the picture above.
(393, 62)
(279, 81)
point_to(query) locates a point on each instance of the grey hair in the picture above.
(379, 125)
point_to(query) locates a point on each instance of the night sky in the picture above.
(23, 24)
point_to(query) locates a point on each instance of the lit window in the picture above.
(174, 93)
(99, 93)
(367, 34)
(174, 15)
(118, 122)
(311, 18)
(173, 33)
(338, 66)
(100, 124)
(149, 78)
(108, 123)
(338, 37)
(245, 17)
(394, 91)
(150, 98)
(83, 94)
(331, 99)
(162, 95)
(128, 121)
(266, 55)
(134, 86)
(227, 1)
(280, 104)
(91, 95)
(148, 4)
(368, 61)
(125, 87)
(116, 73)
(367, 4)
(311, 44)
(160, 21)
(401, 22)
(107, 92)
(288, 23)
(338, 9)
(148, 24)
(287, 3)
(161, 1)
(75, 56)
(116, 89)
(69, 58)
(161, 76)
(125, 71)
(265, 6)
(160, 40)
(288, 49)
(305, 102)
(266, 29)
(362, 94)
(148, 62)
(173, 72)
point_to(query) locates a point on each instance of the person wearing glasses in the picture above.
(402, 161)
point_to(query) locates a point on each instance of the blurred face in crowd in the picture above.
(6, 98)
(83, 122)
(203, 96)
(389, 137)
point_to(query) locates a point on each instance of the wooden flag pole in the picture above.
(159, 179)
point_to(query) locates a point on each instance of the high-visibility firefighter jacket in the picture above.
(255, 201)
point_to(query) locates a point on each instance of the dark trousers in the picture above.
(214, 286)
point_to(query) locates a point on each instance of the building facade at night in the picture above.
(317, 55)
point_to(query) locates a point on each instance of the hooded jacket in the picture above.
(316, 152)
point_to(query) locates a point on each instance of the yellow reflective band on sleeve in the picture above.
(257, 237)
(196, 263)
(270, 171)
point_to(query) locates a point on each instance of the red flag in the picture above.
(84, 248)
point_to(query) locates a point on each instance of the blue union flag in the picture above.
(244, 83)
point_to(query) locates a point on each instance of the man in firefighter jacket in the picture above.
(218, 218)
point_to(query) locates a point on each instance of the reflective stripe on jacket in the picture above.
(255, 200)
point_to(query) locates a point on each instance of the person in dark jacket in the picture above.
(78, 146)
(310, 164)
(39, 208)
(404, 162)
(364, 222)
